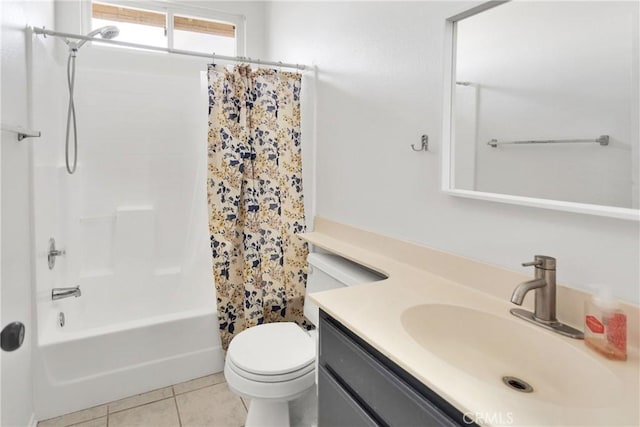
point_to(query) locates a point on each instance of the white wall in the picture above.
(565, 82)
(379, 88)
(17, 401)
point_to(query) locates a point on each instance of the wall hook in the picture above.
(424, 144)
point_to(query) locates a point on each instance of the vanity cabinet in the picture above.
(359, 386)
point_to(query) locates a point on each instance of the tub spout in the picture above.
(521, 290)
(59, 293)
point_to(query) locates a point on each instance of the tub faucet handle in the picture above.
(53, 253)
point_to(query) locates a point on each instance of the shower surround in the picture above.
(133, 222)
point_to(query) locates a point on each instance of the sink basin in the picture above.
(490, 347)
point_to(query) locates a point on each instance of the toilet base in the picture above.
(267, 413)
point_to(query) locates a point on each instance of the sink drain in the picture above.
(517, 384)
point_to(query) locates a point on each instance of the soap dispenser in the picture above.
(605, 325)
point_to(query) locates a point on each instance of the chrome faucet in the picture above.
(59, 293)
(544, 285)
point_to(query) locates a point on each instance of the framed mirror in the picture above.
(542, 106)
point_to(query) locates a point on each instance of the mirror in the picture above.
(543, 106)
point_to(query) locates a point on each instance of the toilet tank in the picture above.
(328, 271)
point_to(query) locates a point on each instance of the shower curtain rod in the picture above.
(212, 56)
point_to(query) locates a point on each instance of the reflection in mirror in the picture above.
(537, 88)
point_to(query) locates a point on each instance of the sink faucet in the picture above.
(544, 285)
(59, 293)
(524, 287)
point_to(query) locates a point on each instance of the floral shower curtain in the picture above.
(254, 192)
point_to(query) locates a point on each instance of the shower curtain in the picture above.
(254, 191)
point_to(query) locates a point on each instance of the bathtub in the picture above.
(119, 340)
(133, 221)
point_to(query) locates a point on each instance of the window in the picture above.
(136, 26)
(208, 36)
(171, 27)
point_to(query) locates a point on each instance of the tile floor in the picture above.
(205, 401)
(202, 402)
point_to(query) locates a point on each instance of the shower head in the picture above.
(108, 32)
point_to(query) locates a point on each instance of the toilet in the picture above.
(275, 363)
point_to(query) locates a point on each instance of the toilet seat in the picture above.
(275, 378)
(275, 361)
(272, 352)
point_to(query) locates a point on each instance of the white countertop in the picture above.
(374, 312)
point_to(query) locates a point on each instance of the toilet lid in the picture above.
(271, 349)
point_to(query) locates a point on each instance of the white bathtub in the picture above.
(119, 340)
(133, 221)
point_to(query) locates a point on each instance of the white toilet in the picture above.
(275, 363)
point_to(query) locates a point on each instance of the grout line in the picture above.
(109, 411)
(140, 406)
(199, 388)
(175, 401)
(108, 404)
(85, 421)
(75, 412)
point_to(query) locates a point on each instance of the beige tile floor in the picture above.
(203, 402)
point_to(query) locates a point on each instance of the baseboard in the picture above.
(33, 422)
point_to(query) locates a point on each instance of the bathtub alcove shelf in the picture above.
(21, 132)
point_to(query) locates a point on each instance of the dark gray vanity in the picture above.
(359, 386)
